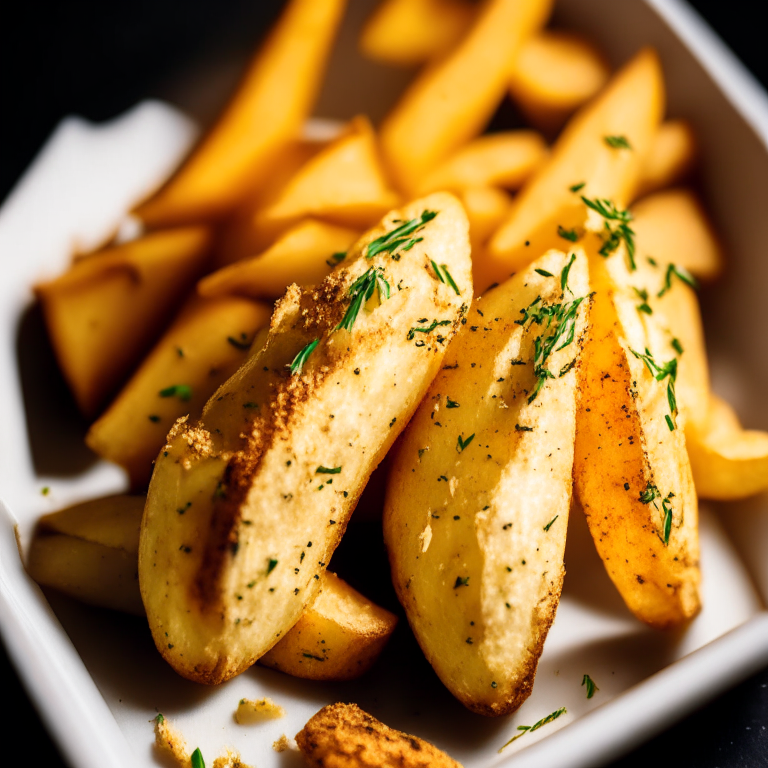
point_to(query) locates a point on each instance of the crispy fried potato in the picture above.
(304, 255)
(728, 462)
(338, 638)
(670, 158)
(630, 106)
(407, 32)
(425, 127)
(90, 552)
(555, 73)
(274, 99)
(107, 309)
(672, 226)
(631, 470)
(506, 159)
(486, 208)
(343, 736)
(205, 345)
(263, 488)
(478, 496)
(344, 183)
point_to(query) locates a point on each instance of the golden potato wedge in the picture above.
(555, 73)
(344, 183)
(265, 488)
(728, 462)
(583, 163)
(672, 226)
(486, 208)
(203, 347)
(337, 638)
(426, 127)
(670, 158)
(343, 736)
(104, 312)
(90, 552)
(631, 470)
(274, 99)
(506, 159)
(477, 502)
(304, 255)
(408, 32)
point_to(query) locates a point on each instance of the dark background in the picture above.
(96, 59)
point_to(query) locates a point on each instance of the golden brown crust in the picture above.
(344, 736)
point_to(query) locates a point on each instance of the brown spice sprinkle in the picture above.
(343, 736)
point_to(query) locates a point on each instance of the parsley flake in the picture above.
(462, 444)
(617, 142)
(590, 684)
(182, 391)
(328, 470)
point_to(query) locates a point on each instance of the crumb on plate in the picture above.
(251, 711)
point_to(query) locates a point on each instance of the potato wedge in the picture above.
(630, 106)
(343, 736)
(506, 159)
(631, 470)
(266, 488)
(486, 208)
(344, 183)
(274, 99)
(304, 255)
(90, 552)
(728, 462)
(408, 32)
(106, 310)
(555, 73)
(477, 502)
(672, 226)
(425, 127)
(203, 347)
(337, 638)
(670, 158)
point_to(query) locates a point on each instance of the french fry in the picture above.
(504, 159)
(426, 127)
(670, 157)
(272, 103)
(555, 73)
(106, 310)
(205, 345)
(486, 208)
(582, 163)
(305, 254)
(408, 32)
(344, 184)
(672, 226)
(728, 462)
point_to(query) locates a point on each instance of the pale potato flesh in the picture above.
(630, 468)
(478, 498)
(241, 519)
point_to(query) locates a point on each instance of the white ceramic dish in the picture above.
(96, 677)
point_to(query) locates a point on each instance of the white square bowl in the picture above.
(100, 682)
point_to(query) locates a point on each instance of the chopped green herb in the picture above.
(617, 142)
(677, 346)
(451, 403)
(241, 343)
(159, 719)
(312, 656)
(462, 444)
(328, 470)
(444, 276)
(642, 294)
(399, 238)
(565, 272)
(551, 523)
(590, 684)
(179, 351)
(298, 362)
(182, 510)
(361, 290)
(612, 237)
(182, 391)
(45, 490)
(197, 759)
(271, 565)
(661, 372)
(154, 418)
(336, 258)
(543, 272)
(461, 581)
(535, 727)
(521, 428)
(567, 234)
(578, 187)
(431, 327)
(649, 496)
(680, 272)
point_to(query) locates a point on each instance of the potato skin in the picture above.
(344, 736)
(243, 511)
(624, 449)
(476, 529)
